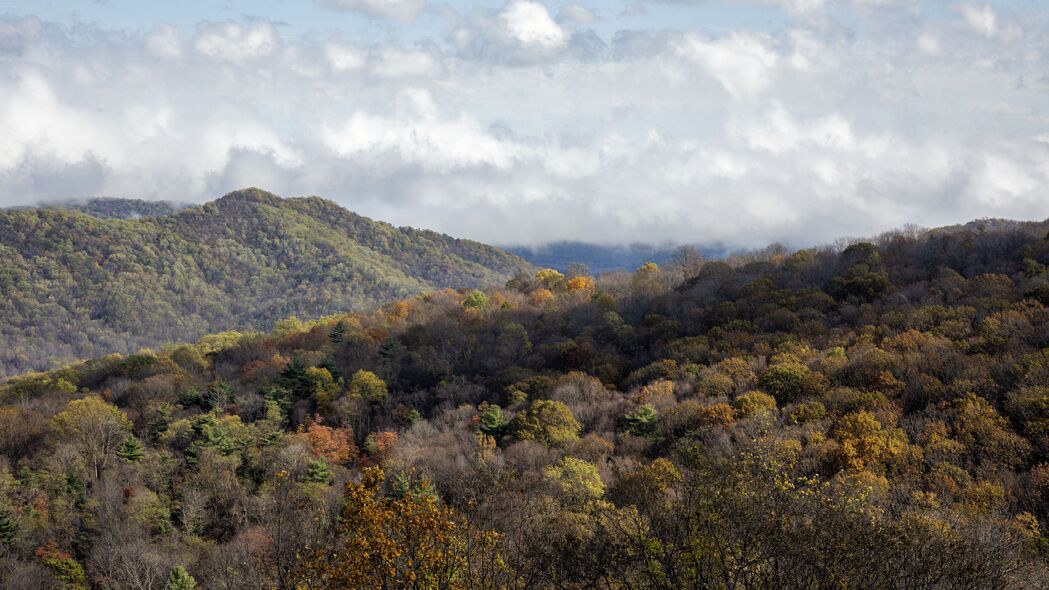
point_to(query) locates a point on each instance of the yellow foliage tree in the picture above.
(96, 427)
(413, 541)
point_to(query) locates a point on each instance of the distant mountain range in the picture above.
(601, 259)
(84, 279)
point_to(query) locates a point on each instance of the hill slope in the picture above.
(876, 416)
(73, 284)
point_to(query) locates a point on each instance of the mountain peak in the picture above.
(249, 195)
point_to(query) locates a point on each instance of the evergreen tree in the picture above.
(338, 333)
(294, 378)
(8, 527)
(318, 471)
(130, 450)
(494, 422)
(180, 579)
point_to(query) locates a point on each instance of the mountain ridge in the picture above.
(76, 284)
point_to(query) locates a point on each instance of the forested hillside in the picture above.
(86, 280)
(874, 416)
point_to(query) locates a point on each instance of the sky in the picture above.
(739, 122)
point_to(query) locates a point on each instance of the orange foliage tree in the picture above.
(411, 541)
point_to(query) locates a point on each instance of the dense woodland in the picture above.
(115, 275)
(872, 415)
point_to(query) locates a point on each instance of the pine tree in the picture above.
(338, 332)
(8, 527)
(318, 471)
(130, 450)
(180, 580)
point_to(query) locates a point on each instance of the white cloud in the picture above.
(529, 24)
(418, 134)
(521, 32)
(396, 9)
(399, 63)
(164, 41)
(344, 58)
(234, 42)
(741, 63)
(500, 130)
(982, 19)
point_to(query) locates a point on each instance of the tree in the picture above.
(476, 300)
(96, 427)
(338, 332)
(411, 541)
(754, 403)
(331, 444)
(548, 422)
(318, 471)
(577, 480)
(62, 565)
(180, 579)
(130, 450)
(368, 386)
(550, 279)
(493, 421)
(9, 528)
(643, 421)
(785, 381)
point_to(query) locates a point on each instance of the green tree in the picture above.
(643, 421)
(180, 579)
(9, 528)
(493, 420)
(785, 381)
(476, 300)
(548, 422)
(130, 450)
(318, 471)
(338, 332)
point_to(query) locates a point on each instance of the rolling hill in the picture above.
(96, 278)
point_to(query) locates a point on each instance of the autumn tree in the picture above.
(368, 386)
(96, 427)
(412, 541)
(548, 422)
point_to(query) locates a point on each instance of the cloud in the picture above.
(982, 19)
(577, 15)
(741, 63)
(344, 57)
(417, 134)
(395, 9)
(521, 32)
(510, 126)
(164, 42)
(233, 42)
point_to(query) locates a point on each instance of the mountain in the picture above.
(600, 258)
(114, 276)
(869, 415)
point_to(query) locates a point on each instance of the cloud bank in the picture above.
(519, 124)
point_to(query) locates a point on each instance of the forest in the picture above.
(872, 414)
(82, 280)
